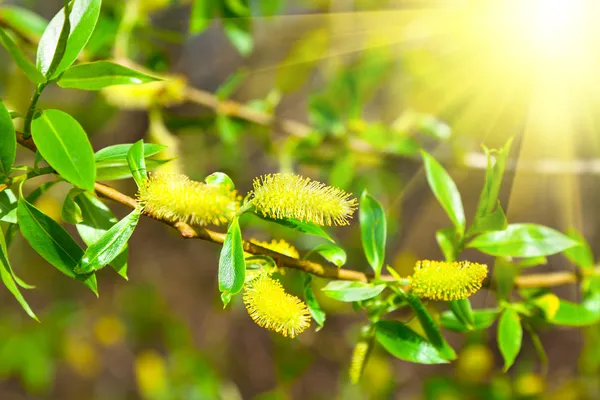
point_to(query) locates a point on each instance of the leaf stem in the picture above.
(32, 108)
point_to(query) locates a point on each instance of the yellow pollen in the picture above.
(280, 246)
(282, 196)
(272, 308)
(175, 197)
(441, 280)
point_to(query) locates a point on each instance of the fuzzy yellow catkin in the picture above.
(168, 92)
(272, 308)
(445, 281)
(280, 246)
(293, 196)
(359, 360)
(177, 198)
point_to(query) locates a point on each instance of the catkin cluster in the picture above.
(175, 197)
(272, 308)
(445, 281)
(293, 196)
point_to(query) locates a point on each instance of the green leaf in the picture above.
(71, 212)
(203, 12)
(112, 164)
(52, 242)
(573, 314)
(495, 221)
(482, 319)
(446, 239)
(100, 74)
(304, 227)
(8, 142)
(20, 59)
(351, 291)
(580, 255)
(239, 34)
(232, 266)
(219, 179)
(510, 336)
(405, 344)
(496, 164)
(522, 240)
(311, 302)
(83, 17)
(112, 243)
(332, 253)
(23, 21)
(373, 231)
(7, 276)
(8, 206)
(118, 152)
(304, 54)
(97, 220)
(65, 146)
(445, 191)
(504, 275)
(137, 164)
(430, 327)
(232, 83)
(463, 311)
(113, 170)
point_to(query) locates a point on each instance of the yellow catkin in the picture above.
(441, 280)
(280, 246)
(168, 92)
(272, 308)
(293, 196)
(359, 360)
(175, 197)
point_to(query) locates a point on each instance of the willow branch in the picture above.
(323, 270)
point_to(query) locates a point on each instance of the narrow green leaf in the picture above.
(232, 266)
(504, 274)
(312, 303)
(496, 164)
(97, 220)
(446, 239)
(332, 253)
(71, 212)
(20, 59)
(351, 291)
(118, 152)
(405, 344)
(482, 319)
(23, 21)
(573, 314)
(100, 74)
(494, 221)
(304, 227)
(83, 17)
(8, 206)
(580, 255)
(112, 243)
(445, 191)
(7, 276)
(52, 242)
(113, 170)
(463, 311)
(8, 142)
(232, 83)
(65, 146)
(373, 231)
(137, 163)
(522, 240)
(239, 33)
(203, 12)
(510, 336)
(430, 327)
